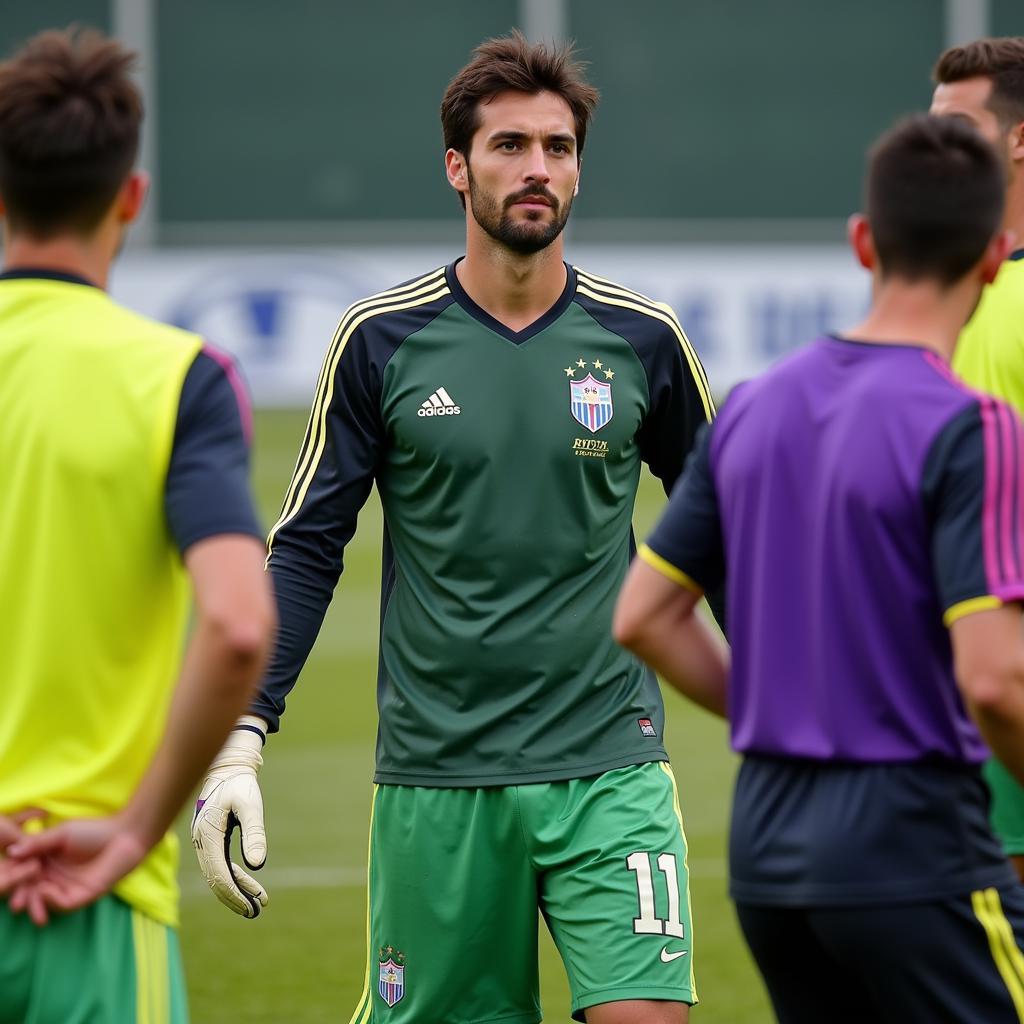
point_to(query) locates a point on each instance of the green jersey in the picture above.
(507, 465)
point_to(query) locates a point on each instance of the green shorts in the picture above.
(105, 964)
(1007, 810)
(456, 877)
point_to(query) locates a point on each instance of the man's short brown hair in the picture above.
(69, 130)
(999, 59)
(512, 63)
(934, 198)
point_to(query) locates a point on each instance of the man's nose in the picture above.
(537, 166)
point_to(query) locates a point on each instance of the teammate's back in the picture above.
(829, 470)
(123, 476)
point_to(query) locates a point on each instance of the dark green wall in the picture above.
(20, 19)
(746, 109)
(304, 109)
(313, 111)
(1007, 17)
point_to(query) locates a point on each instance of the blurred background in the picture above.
(297, 161)
(296, 154)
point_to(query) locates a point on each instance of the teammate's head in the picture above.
(515, 122)
(933, 200)
(983, 82)
(69, 133)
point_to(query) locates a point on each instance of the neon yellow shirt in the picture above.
(93, 593)
(990, 353)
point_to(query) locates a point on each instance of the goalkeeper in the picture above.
(503, 405)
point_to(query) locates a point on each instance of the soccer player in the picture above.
(503, 405)
(865, 508)
(123, 477)
(983, 83)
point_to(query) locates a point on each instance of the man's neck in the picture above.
(90, 259)
(904, 313)
(1013, 218)
(515, 289)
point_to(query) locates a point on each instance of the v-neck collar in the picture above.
(461, 296)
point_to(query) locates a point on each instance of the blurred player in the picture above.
(983, 83)
(865, 507)
(503, 405)
(123, 466)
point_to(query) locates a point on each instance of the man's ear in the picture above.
(131, 196)
(456, 168)
(576, 187)
(858, 233)
(1016, 143)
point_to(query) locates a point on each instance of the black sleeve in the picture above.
(332, 480)
(973, 491)
(207, 489)
(686, 544)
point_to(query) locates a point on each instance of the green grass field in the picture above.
(303, 960)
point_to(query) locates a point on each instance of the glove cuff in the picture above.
(244, 745)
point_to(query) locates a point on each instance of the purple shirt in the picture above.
(854, 496)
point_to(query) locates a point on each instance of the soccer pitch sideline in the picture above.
(303, 961)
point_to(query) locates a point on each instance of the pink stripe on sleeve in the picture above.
(235, 379)
(1007, 474)
(988, 508)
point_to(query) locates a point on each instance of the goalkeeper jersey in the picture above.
(507, 465)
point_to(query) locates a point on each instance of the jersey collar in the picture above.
(516, 337)
(42, 274)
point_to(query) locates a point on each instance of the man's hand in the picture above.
(15, 872)
(79, 861)
(231, 796)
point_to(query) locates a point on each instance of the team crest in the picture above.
(391, 985)
(590, 399)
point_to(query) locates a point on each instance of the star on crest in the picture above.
(568, 371)
(580, 363)
(609, 374)
(598, 364)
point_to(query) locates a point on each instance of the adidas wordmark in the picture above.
(439, 404)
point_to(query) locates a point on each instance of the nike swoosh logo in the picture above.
(667, 957)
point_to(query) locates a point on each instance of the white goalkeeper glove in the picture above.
(231, 796)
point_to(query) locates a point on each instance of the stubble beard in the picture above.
(524, 237)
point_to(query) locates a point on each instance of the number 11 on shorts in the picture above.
(647, 923)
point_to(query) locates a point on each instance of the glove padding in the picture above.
(231, 796)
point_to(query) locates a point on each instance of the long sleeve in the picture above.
(332, 480)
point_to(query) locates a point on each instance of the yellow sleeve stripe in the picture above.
(428, 280)
(627, 301)
(364, 1007)
(602, 283)
(974, 604)
(1001, 942)
(667, 569)
(316, 430)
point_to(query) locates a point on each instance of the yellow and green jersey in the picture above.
(507, 465)
(990, 352)
(93, 589)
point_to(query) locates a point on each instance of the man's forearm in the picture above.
(226, 654)
(691, 658)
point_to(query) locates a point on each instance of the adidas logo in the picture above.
(439, 404)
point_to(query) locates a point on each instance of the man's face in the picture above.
(523, 169)
(968, 99)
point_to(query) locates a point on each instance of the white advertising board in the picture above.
(742, 307)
